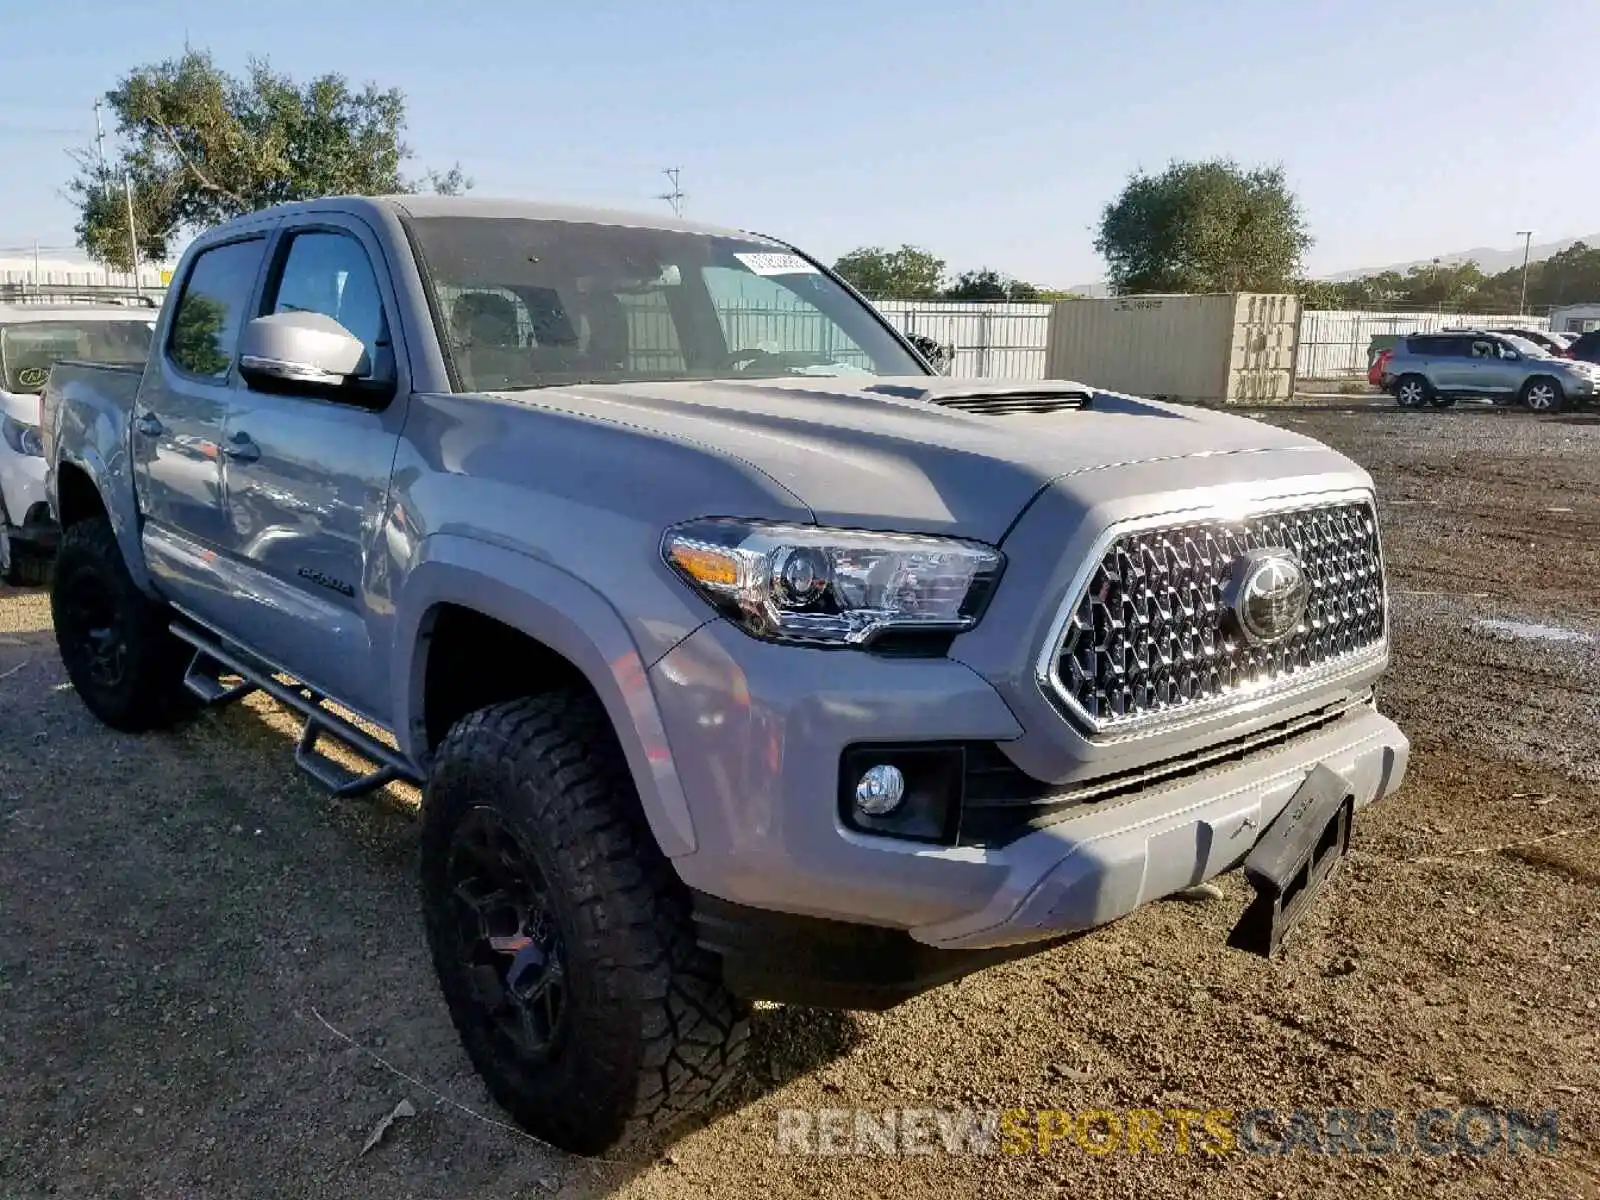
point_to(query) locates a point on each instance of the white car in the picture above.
(32, 338)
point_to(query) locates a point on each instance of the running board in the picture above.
(211, 662)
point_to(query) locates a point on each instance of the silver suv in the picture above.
(1439, 368)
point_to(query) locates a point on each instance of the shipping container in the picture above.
(1234, 347)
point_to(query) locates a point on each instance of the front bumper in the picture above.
(757, 733)
(1093, 868)
(27, 526)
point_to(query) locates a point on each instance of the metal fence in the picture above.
(988, 340)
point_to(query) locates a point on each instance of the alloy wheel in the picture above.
(508, 943)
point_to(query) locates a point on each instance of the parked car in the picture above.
(31, 340)
(738, 657)
(1439, 368)
(1586, 347)
(1379, 368)
(1553, 343)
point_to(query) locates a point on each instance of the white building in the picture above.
(1575, 318)
(74, 272)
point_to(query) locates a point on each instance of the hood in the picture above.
(922, 453)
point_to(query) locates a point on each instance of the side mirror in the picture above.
(308, 352)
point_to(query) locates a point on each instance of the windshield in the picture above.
(28, 350)
(532, 303)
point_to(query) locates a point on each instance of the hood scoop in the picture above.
(1000, 400)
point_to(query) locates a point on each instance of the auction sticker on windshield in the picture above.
(776, 264)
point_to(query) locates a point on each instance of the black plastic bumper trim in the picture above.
(818, 963)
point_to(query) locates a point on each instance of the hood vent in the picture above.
(1001, 401)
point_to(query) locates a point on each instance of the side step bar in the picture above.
(204, 679)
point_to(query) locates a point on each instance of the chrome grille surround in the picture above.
(1143, 644)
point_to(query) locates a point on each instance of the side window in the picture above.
(1483, 349)
(205, 326)
(329, 273)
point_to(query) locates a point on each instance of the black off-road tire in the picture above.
(114, 640)
(28, 570)
(648, 1033)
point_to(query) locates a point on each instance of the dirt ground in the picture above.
(180, 914)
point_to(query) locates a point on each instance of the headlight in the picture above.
(798, 583)
(24, 439)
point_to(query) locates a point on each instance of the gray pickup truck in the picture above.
(737, 654)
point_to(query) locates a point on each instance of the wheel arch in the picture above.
(82, 487)
(523, 615)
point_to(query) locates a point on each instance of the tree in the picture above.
(909, 273)
(1204, 227)
(1568, 277)
(989, 284)
(199, 146)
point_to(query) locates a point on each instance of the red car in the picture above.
(1376, 370)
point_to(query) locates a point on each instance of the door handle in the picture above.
(241, 448)
(148, 425)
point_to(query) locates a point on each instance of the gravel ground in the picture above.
(179, 916)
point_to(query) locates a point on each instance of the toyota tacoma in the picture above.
(736, 653)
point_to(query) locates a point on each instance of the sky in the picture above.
(992, 132)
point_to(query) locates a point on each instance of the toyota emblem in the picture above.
(1267, 594)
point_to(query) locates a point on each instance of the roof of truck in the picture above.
(422, 206)
(475, 206)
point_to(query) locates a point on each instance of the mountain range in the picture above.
(1490, 261)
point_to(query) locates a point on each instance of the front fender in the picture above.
(564, 614)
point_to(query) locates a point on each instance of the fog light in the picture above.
(880, 790)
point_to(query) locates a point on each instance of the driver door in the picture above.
(306, 476)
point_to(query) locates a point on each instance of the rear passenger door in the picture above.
(307, 476)
(178, 420)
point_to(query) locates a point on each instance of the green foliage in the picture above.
(197, 335)
(1570, 277)
(200, 146)
(909, 273)
(1204, 227)
(989, 284)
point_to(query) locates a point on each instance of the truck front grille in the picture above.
(1150, 637)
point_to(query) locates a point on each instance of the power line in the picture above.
(38, 130)
(675, 197)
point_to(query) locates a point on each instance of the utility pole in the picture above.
(133, 237)
(1527, 247)
(675, 197)
(100, 138)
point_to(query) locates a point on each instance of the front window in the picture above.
(533, 303)
(28, 350)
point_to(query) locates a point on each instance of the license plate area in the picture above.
(1299, 852)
